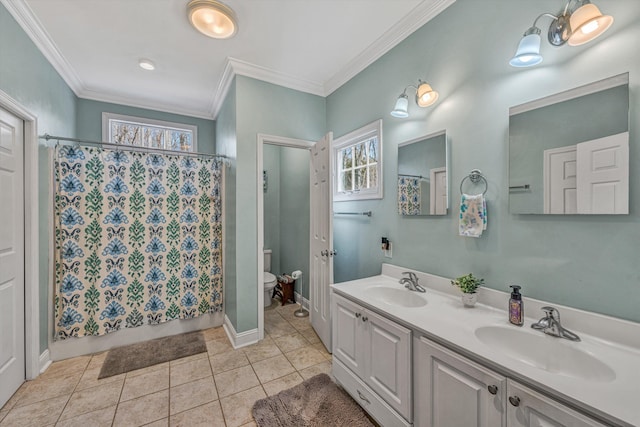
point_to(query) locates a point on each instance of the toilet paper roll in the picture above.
(296, 274)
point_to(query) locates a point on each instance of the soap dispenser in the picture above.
(516, 309)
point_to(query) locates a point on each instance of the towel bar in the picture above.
(367, 213)
(520, 187)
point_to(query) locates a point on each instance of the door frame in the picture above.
(283, 142)
(433, 175)
(31, 240)
(546, 170)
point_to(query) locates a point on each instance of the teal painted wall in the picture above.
(294, 214)
(271, 197)
(89, 121)
(28, 78)
(588, 262)
(227, 145)
(262, 108)
(286, 210)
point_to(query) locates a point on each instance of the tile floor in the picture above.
(217, 388)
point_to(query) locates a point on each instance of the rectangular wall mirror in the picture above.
(423, 185)
(569, 152)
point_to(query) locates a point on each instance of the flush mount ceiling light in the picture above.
(212, 18)
(579, 23)
(146, 64)
(425, 96)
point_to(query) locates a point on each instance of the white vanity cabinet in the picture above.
(372, 361)
(528, 408)
(451, 390)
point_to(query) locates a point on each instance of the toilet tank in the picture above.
(267, 259)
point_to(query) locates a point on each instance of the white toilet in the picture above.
(269, 279)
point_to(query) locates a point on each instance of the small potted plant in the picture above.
(468, 285)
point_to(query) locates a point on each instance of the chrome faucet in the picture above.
(550, 325)
(411, 282)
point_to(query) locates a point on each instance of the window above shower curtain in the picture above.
(138, 239)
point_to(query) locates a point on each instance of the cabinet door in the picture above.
(451, 390)
(348, 334)
(527, 408)
(388, 361)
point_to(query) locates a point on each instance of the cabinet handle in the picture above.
(364, 318)
(514, 400)
(493, 389)
(358, 315)
(363, 397)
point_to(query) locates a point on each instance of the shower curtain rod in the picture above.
(47, 137)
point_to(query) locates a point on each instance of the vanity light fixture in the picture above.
(425, 96)
(212, 18)
(146, 64)
(579, 23)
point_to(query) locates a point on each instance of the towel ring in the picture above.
(475, 176)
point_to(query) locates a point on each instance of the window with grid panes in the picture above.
(358, 164)
(141, 132)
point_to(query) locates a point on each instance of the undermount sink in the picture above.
(397, 296)
(554, 355)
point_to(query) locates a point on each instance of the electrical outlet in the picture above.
(389, 252)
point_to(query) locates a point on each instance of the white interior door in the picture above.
(603, 175)
(560, 182)
(321, 263)
(438, 183)
(12, 362)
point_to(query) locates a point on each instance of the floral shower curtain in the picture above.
(409, 196)
(138, 239)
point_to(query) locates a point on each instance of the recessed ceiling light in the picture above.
(212, 18)
(146, 64)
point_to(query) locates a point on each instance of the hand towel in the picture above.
(473, 215)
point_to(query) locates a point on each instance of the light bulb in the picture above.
(590, 27)
(146, 64)
(208, 18)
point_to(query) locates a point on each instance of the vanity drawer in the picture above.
(365, 397)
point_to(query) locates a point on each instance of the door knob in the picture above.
(493, 389)
(333, 253)
(514, 400)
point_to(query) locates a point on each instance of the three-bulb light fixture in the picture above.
(579, 23)
(425, 96)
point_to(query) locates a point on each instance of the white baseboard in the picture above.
(45, 361)
(241, 339)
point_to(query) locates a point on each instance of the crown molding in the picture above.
(222, 90)
(136, 103)
(420, 15)
(30, 24)
(268, 75)
(236, 67)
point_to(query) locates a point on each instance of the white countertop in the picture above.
(612, 341)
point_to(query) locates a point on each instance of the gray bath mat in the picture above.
(148, 353)
(317, 402)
